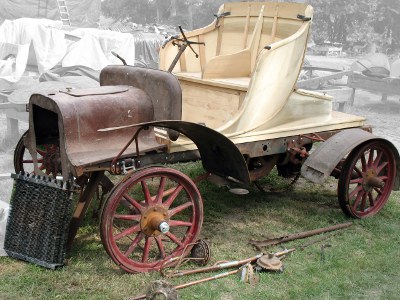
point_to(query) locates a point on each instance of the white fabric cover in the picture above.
(94, 48)
(4, 209)
(23, 42)
(42, 44)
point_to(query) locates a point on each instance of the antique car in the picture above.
(230, 101)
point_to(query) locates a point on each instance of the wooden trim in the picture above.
(287, 10)
(231, 83)
(219, 37)
(246, 27)
(182, 62)
(202, 53)
(275, 24)
(255, 40)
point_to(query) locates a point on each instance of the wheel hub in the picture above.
(371, 180)
(154, 221)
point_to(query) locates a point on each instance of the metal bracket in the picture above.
(221, 15)
(303, 18)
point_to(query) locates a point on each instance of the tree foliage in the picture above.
(361, 22)
(352, 23)
(188, 13)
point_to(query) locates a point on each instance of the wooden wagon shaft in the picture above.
(301, 235)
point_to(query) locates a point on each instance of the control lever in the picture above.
(189, 43)
(182, 47)
(167, 40)
(119, 57)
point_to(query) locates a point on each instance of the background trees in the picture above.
(365, 23)
(361, 23)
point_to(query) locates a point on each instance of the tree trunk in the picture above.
(190, 15)
(173, 8)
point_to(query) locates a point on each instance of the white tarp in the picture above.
(4, 210)
(94, 48)
(43, 44)
(44, 36)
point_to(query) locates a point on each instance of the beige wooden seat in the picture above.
(245, 76)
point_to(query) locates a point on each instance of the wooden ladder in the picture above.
(63, 10)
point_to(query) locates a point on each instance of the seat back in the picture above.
(233, 43)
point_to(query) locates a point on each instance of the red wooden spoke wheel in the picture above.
(48, 158)
(367, 179)
(151, 216)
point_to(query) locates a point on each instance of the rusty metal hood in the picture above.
(71, 119)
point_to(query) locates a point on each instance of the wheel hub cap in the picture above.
(154, 221)
(371, 180)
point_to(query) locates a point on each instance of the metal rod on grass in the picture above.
(296, 236)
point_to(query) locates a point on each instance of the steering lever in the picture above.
(190, 43)
(184, 43)
(119, 57)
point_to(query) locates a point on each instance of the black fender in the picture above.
(219, 155)
(321, 162)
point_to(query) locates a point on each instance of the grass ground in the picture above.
(361, 262)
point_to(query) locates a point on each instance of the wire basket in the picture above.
(38, 222)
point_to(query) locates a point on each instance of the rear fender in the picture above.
(321, 162)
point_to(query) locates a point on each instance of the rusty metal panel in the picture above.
(72, 119)
(321, 162)
(162, 87)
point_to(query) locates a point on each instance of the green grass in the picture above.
(362, 262)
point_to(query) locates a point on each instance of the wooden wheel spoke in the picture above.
(160, 193)
(179, 223)
(378, 191)
(30, 161)
(134, 244)
(146, 249)
(357, 201)
(179, 208)
(173, 196)
(355, 191)
(363, 163)
(371, 199)
(359, 172)
(358, 180)
(128, 217)
(381, 167)
(378, 158)
(128, 231)
(133, 202)
(41, 152)
(173, 238)
(146, 192)
(371, 157)
(160, 246)
(383, 178)
(363, 202)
